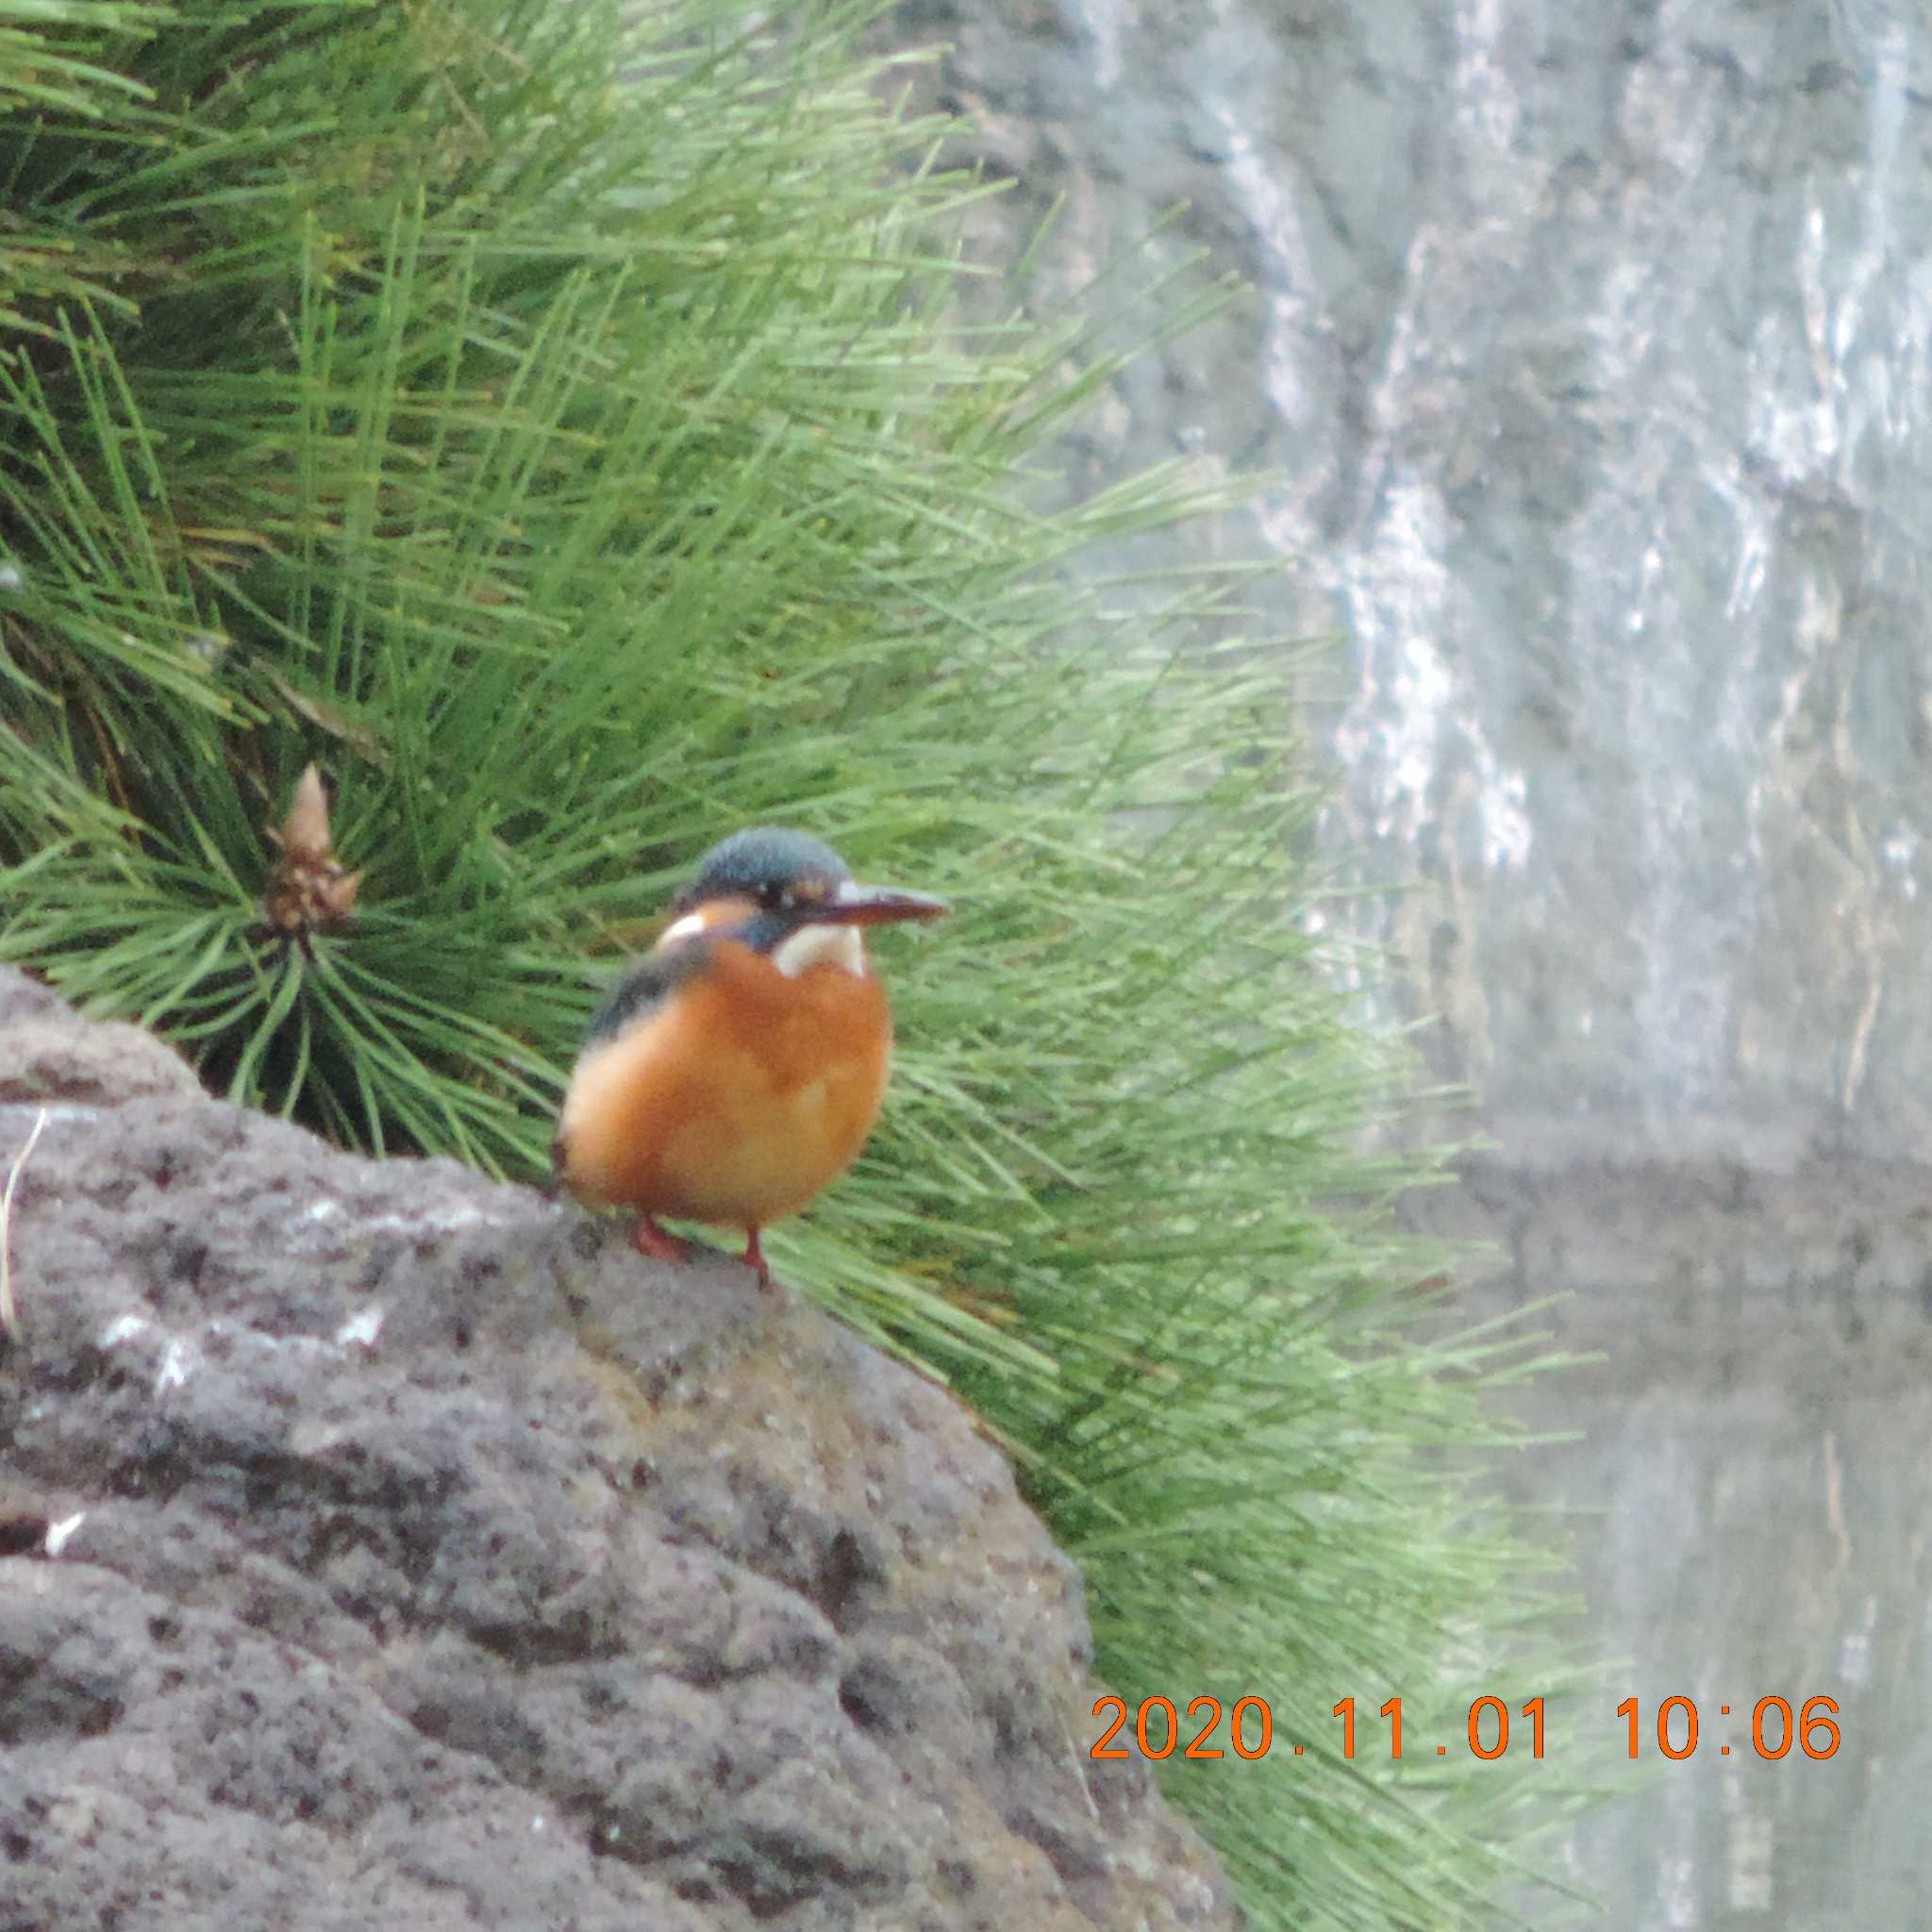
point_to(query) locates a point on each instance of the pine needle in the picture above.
(573, 430)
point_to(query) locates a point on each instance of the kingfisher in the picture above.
(738, 1069)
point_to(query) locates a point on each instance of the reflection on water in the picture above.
(1742, 1536)
(1750, 1495)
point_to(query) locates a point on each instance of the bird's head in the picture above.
(789, 895)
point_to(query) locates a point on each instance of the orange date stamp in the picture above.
(1246, 1728)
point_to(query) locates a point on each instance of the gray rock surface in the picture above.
(1702, 1274)
(1593, 344)
(415, 1554)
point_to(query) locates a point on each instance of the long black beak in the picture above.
(852, 905)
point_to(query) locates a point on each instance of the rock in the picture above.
(1702, 1276)
(427, 1559)
(1587, 364)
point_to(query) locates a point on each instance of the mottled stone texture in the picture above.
(440, 1564)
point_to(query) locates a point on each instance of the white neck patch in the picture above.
(822, 945)
(681, 930)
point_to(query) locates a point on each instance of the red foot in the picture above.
(754, 1256)
(652, 1242)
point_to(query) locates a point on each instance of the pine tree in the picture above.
(556, 425)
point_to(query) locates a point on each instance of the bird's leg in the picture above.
(652, 1242)
(754, 1256)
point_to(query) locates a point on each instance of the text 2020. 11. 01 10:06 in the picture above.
(1158, 1729)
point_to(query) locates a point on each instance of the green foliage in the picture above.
(580, 469)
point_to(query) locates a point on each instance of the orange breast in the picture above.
(736, 1101)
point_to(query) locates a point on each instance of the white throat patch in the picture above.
(822, 945)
